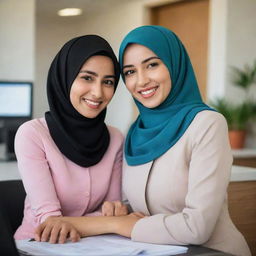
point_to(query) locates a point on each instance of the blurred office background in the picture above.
(218, 34)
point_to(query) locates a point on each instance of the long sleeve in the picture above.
(35, 173)
(208, 177)
(57, 186)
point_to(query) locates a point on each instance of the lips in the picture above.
(92, 103)
(148, 92)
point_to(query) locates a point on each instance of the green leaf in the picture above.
(244, 77)
(237, 116)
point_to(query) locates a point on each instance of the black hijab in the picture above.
(83, 140)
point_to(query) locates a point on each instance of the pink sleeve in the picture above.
(35, 173)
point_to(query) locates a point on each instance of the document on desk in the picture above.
(103, 245)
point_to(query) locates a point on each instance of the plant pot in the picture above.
(237, 138)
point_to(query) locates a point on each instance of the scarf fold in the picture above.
(156, 130)
(82, 140)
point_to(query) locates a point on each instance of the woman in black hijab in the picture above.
(70, 161)
(67, 126)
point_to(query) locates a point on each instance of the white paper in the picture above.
(103, 245)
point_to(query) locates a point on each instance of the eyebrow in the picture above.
(144, 61)
(95, 74)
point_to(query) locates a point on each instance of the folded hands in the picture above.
(115, 219)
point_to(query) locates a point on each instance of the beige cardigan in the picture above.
(184, 190)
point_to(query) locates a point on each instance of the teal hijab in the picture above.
(157, 129)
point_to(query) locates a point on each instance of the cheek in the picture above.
(167, 83)
(109, 93)
(72, 96)
(79, 89)
(168, 87)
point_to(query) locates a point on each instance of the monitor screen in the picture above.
(15, 99)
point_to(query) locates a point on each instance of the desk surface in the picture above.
(192, 251)
(203, 251)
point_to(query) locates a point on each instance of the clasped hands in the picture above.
(114, 219)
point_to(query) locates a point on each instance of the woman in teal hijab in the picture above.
(173, 116)
(177, 154)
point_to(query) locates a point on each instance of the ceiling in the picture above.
(49, 8)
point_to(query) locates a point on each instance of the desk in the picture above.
(244, 157)
(192, 251)
(242, 200)
(203, 251)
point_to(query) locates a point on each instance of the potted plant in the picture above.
(238, 116)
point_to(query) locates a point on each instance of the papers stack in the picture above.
(103, 245)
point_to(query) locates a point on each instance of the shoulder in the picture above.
(208, 120)
(33, 128)
(210, 117)
(30, 138)
(209, 126)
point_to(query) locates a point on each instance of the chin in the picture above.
(149, 104)
(89, 115)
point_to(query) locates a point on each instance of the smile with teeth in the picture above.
(92, 103)
(148, 92)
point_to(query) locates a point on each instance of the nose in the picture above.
(97, 90)
(142, 78)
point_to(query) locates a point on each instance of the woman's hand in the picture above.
(59, 229)
(126, 223)
(115, 208)
(56, 230)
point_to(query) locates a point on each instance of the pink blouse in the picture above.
(55, 185)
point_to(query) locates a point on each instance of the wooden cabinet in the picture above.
(242, 209)
(245, 161)
(244, 157)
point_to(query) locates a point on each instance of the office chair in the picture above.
(7, 244)
(12, 195)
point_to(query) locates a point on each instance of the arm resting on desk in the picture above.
(58, 229)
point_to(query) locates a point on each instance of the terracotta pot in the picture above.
(237, 138)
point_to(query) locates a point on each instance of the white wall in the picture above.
(17, 23)
(217, 49)
(241, 42)
(232, 40)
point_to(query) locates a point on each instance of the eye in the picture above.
(129, 72)
(153, 64)
(87, 78)
(108, 83)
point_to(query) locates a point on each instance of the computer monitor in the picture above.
(15, 99)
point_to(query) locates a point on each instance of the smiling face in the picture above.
(93, 88)
(146, 76)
